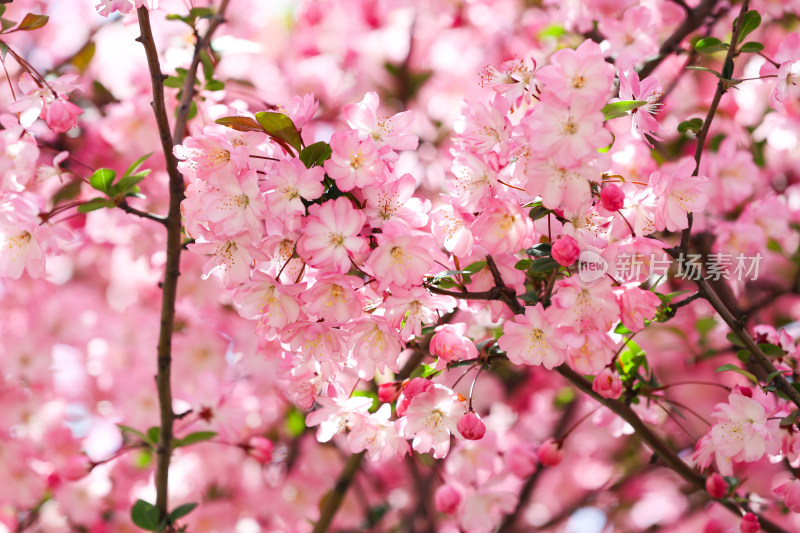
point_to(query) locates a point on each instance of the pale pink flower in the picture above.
(383, 130)
(481, 128)
(409, 309)
(274, 305)
(580, 73)
(514, 79)
(790, 493)
(333, 298)
(331, 235)
(376, 434)
(637, 305)
(633, 38)
(213, 153)
(317, 341)
(503, 227)
(446, 499)
(402, 257)
(61, 115)
(643, 122)
(229, 259)
(449, 344)
(678, 193)
(412, 388)
(23, 239)
(743, 430)
(560, 186)
(568, 132)
(591, 304)
(354, 162)
(37, 97)
(234, 204)
(107, 7)
(395, 200)
(287, 187)
(335, 413)
(787, 88)
(474, 178)
(532, 339)
(451, 227)
(431, 418)
(590, 351)
(374, 344)
(301, 109)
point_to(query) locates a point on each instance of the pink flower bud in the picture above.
(790, 492)
(412, 388)
(446, 499)
(607, 384)
(550, 453)
(716, 486)
(260, 449)
(612, 197)
(388, 392)
(749, 524)
(565, 250)
(62, 115)
(471, 426)
(449, 343)
(521, 459)
(76, 467)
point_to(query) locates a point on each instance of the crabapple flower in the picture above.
(335, 413)
(637, 305)
(550, 452)
(503, 227)
(229, 259)
(260, 449)
(561, 186)
(678, 193)
(354, 162)
(38, 98)
(234, 205)
(749, 524)
(532, 339)
(449, 344)
(409, 309)
(582, 73)
(402, 258)
(383, 130)
(451, 227)
(633, 37)
(643, 122)
(589, 351)
(375, 345)
(395, 201)
(446, 499)
(287, 187)
(716, 486)
(431, 417)
(743, 430)
(213, 153)
(23, 238)
(412, 388)
(565, 250)
(273, 304)
(482, 128)
(61, 115)
(317, 341)
(471, 426)
(514, 79)
(607, 384)
(790, 493)
(612, 198)
(334, 299)
(376, 434)
(787, 88)
(591, 303)
(107, 7)
(331, 235)
(76, 467)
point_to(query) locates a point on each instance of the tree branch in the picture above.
(143, 214)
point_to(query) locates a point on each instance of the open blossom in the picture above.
(790, 493)
(514, 79)
(431, 417)
(376, 434)
(586, 303)
(331, 235)
(482, 127)
(678, 193)
(287, 187)
(474, 178)
(446, 499)
(410, 309)
(589, 351)
(383, 130)
(582, 73)
(274, 305)
(317, 341)
(395, 200)
(637, 305)
(402, 258)
(561, 186)
(234, 205)
(375, 345)
(229, 259)
(503, 227)
(532, 339)
(335, 413)
(643, 122)
(61, 115)
(743, 430)
(22, 237)
(354, 162)
(214, 152)
(38, 98)
(451, 226)
(334, 298)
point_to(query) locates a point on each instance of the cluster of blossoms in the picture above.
(402, 276)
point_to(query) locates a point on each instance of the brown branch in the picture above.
(693, 20)
(143, 214)
(191, 75)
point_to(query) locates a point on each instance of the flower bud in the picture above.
(550, 453)
(749, 524)
(446, 499)
(62, 115)
(260, 449)
(716, 486)
(388, 392)
(76, 468)
(471, 426)
(612, 197)
(607, 384)
(412, 388)
(565, 250)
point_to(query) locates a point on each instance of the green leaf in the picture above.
(208, 64)
(734, 368)
(3, 47)
(201, 12)
(145, 515)
(543, 249)
(621, 329)
(705, 324)
(523, 264)
(773, 375)
(315, 154)
(620, 109)
(751, 21)
(538, 211)
(771, 350)
(693, 124)
(194, 438)
(32, 21)
(280, 127)
(790, 419)
(709, 45)
(605, 149)
(153, 433)
(2, 10)
(128, 184)
(132, 431)
(94, 204)
(752, 47)
(136, 164)
(102, 179)
(445, 283)
(67, 192)
(477, 266)
(704, 69)
(240, 124)
(83, 57)
(546, 264)
(553, 31)
(530, 297)
(173, 82)
(735, 340)
(215, 85)
(181, 511)
(295, 422)
(4, 25)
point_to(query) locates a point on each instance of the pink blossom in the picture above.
(533, 339)
(482, 128)
(446, 499)
(389, 130)
(716, 486)
(678, 193)
(431, 417)
(565, 250)
(354, 162)
(335, 413)
(636, 305)
(376, 434)
(402, 257)
(471, 426)
(586, 303)
(743, 429)
(449, 344)
(395, 200)
(410, 390)
(790, 493)
(62, 115)
(331, 235)
(550, 452)
(582, 73)
(503, 227)
(409, 309)
(632, 38)
(260, 449)
(229, 259)
(274, 305)
(375, 345)
(76, 467)
(514, 79)
(212, 153)
(607, 384)
(561, 186)
(333, 298)
(388, 392)
(612, 198)
(234, 204)
(590, 351)
(749, 524)
(288, 186)
(643, 122)
(107, 7)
